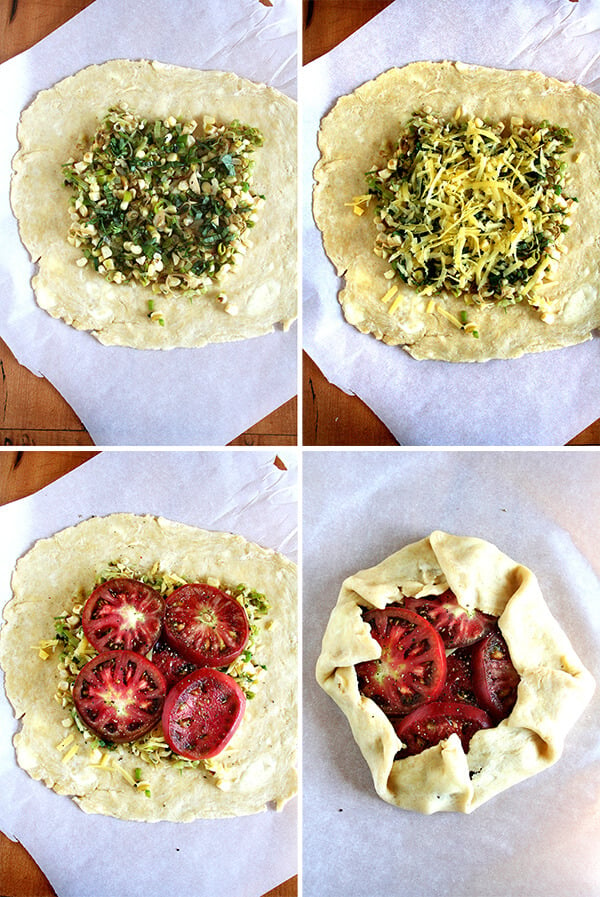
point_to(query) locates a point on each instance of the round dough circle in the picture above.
(352, 138)
(58, 571)
(261, 288)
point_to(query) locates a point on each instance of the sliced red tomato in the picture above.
(431, 723)
(119, 695)
(458, 685)
(494, 677)
(201, 713)
(412, 665)
(458, 627)
(205, 626)
(170, 663)
(123, 614)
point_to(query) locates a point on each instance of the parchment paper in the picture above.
(537, 839)
(541, 399)
(125, 396)
(97, 856)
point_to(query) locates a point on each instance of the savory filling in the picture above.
(442, 670)
(158, 665)
(473, 208)
(166, 204)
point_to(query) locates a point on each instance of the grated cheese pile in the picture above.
(473, 208)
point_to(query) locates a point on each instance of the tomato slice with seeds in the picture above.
(457, 626)
(123, 614)
(435, 722)
(201, 713)
(170, 663)
(119, 695)
(412, 665)
(458, 685)
(494, 677)
(205, 626)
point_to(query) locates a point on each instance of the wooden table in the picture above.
(330, 417)
(32, 411)
(21, 474)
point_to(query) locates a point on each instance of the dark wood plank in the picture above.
(331, 417)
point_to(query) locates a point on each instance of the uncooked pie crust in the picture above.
(261, 289)
(56, 572)
(353, 139)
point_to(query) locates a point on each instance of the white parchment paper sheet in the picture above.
(126, 396)
(535, 400)
(537, 839)
(96, 856)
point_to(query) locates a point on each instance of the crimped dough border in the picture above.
(554, 689)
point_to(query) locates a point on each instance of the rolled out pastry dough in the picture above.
(57, 571)
(262, 285)
(351, 139)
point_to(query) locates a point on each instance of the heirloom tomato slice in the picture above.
(412, 665)
(205, 626)
(170, 663)
(458, 685)
(201, 713)
(494, 677)
(119, 695)
(431, 723)
(457, 626)
(123, 614)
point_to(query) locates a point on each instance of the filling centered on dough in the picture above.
(473, 208)
(164, 203)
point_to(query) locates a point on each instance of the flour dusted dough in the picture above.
(553, 691)
(351, 139)
(262, 287)
(58, 572)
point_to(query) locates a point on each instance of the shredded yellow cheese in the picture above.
(359, 203)
(45, 648)
(65, 742)
(395, 304)
(473, 208)
(449, 316)
(387, 296)
(70, 753)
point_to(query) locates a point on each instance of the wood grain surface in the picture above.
(32, 411)
(330, 416)
(23, 473)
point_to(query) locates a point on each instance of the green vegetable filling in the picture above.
(473, 208)
(166, 204)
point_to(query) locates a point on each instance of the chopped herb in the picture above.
(163, 203)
